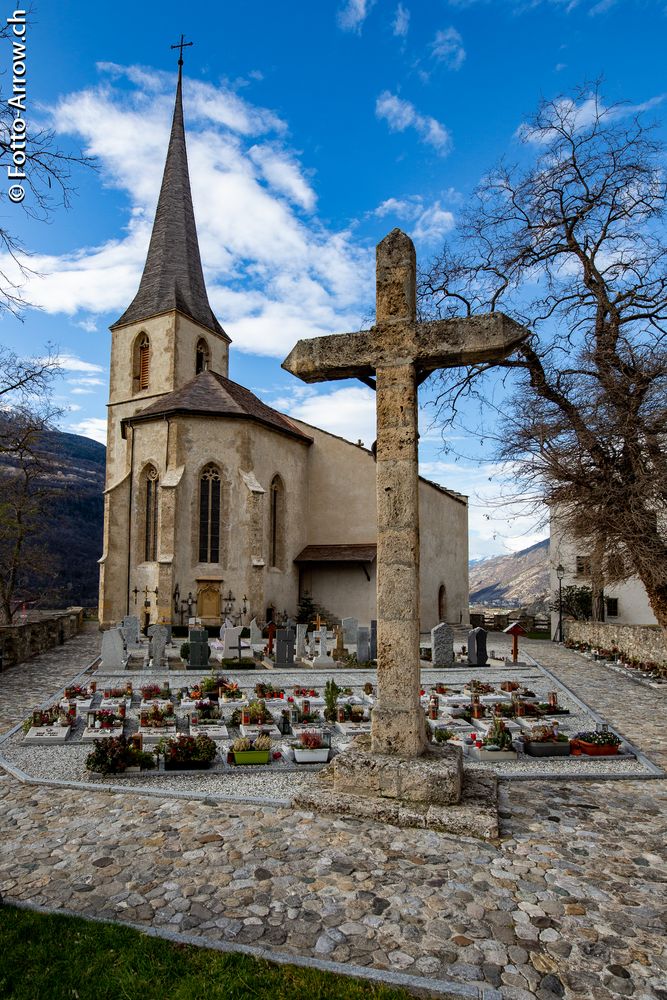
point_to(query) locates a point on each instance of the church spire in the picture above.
(173, 276)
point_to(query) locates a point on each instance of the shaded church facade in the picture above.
(215, 503)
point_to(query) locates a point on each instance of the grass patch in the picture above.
(48, 957)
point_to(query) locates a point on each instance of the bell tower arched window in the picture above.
(202, 357)
(141, 363)
(209, 515)
(277, 523)
(152, 485)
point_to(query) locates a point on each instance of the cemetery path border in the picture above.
(419, 985)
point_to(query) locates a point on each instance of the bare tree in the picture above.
(571, 243)
(27, 491)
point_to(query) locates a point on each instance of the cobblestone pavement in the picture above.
(28, 684)
(571, 902)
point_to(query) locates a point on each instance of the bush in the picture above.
(115, 755)
(185, 650)
(186, 749)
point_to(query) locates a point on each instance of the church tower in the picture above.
(166, 336)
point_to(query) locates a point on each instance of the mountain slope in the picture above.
(518, 579)
(71, 534)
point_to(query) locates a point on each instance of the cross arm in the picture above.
(341, 355)
(450, 343)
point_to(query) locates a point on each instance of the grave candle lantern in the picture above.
(93, 687)
(553, 699)
(341, 714)
(305, 706)
(245, 716)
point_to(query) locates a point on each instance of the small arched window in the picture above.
(209, 515)
(277, 525)
(141, 363)
(151, 513)
(202, 357)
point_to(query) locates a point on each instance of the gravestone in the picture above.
(198, 655)
(399, 351)
(477, 655)
(113, 652)
(130, 628)
(158, 642)
(374, 638)
(442, 645)
(231, 641)
(285, 647)
(322, 660)
(256, 637)
(363, 644)
(312, 647)
(301, 631)
(350, 626)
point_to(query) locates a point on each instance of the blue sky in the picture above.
(313, 130)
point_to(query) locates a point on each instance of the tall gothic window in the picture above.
(277, 526)
(209, 515)
(202, 357)
(142, 362)
(151, 514)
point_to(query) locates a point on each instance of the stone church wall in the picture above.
(443, 544)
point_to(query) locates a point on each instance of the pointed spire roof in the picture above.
(173, 276)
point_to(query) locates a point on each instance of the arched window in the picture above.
(202, 357)
(141, 363)
(209, 515)
(151, 514)
(277, 524)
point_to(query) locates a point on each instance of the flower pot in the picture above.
(535, 749)
(251, 756)
(187, 765)
(594, 749)
(303, 755)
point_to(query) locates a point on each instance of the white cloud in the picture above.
(579, 116)
(348, 412)
(401, 23)
(85, 381)
(401, 115)
(91, 427)
(447, 48)
(89, 325)
(78, 391)
(429, 222)
(271, 276)
(70, 363)
(353, 13)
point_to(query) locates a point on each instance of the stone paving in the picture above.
(570, 902)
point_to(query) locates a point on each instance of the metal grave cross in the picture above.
(400, 352)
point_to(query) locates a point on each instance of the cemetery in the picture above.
(270, 731)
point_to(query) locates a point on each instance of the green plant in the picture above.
(331, 693)
(185, 650)
(186, 749)
(545, 734)
(114, 755)
(262, 742)
(442, 735)
(241, 744)
(498, 736)
(306, 610)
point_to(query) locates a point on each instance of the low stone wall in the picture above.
(20, 641)
(645, 642)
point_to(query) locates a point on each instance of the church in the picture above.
(218, 506)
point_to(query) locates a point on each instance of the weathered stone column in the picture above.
(398, 720)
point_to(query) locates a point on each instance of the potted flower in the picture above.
(187, 753)
(246, 751)
(546, 741)
(604, 744)
(310, 749)
(150, 691)
(497, 744)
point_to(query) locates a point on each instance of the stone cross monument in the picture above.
(400, 353)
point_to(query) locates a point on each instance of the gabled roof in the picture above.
(173, 278)
(212, 395)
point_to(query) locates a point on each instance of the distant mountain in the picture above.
(71, 535)
(517, 580)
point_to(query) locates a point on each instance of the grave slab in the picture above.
(47, 735)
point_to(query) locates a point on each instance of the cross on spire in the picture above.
(181, 45)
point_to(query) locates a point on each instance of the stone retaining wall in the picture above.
(645, 642)
(20, 641)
